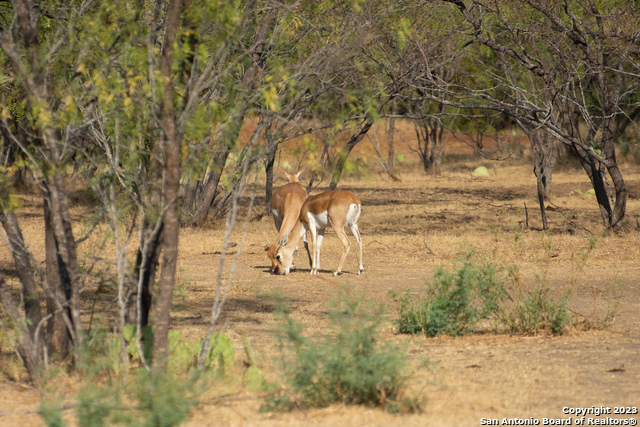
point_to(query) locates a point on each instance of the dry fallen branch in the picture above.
(573, 223)
(426, 247)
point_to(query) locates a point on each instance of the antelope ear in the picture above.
(283, 240)
(300, 172)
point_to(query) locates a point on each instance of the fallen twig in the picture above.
(425, 247)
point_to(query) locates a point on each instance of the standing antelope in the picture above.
(334, 208)
(285, 206)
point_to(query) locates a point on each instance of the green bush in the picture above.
(535, 311)
(455, 301)
(351, 365)
(164, 400)
(150, 400)
(110, 395)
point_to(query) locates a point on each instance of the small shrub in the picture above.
(109, 395)
(454, 301)
(51, 412)
(164, 400)
(153, 400)
(351, 365)
(536, 311)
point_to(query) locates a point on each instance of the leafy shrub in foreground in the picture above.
(351, 365)
(153, 400)
(111, 395)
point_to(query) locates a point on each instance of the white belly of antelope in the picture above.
(318, 221)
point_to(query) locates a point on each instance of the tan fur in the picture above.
(336, 205)
(286, 201)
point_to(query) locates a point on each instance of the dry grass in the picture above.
(410, 227)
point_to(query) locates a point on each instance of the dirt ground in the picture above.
(409, 228)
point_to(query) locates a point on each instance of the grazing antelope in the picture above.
(334, 208)
(285, 206)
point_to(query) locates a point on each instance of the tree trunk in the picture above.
(272, 149)
(145, 276)
(208, 190)
(22, 263)
(344, 154)
(609, 153)
(27, 348)
(422, 135)
(376, 146)
(171, 186)
(58, 292)
(545, 156)
(57, 198)
(391, 147)
(589, 165)
(437, 147)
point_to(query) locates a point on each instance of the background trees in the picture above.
(143, 104)
(565, 67)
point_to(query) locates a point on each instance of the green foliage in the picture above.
(96, 405)
(164, 400)
(356, 167)
(130, 336)
(153, 400)
(182, 353)
(254, 379)
(455, 301)
(51, 412)
(351, 365)
(221, 354)
(536, 311)
(140, 398)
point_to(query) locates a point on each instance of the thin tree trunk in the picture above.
(58, 298)
(376, 147)
(209, 188)
(545, 156)
(391, 147)
(272, 149)
(171, 186)
(27, 348)
(589, 165)
(437, 147)
(621, 193)
(35, 85)
(144, 275)
(268, 167)
(22, 264)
